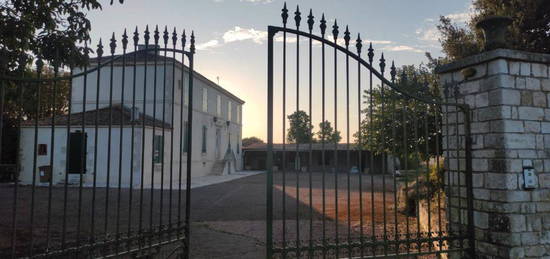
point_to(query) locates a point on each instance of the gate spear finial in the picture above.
(136, 37)
(346, 36)
(335, 30)
(183, 40)
(174, 38)
(284, 14)
(124, 39)
(393, 72)
(371, 53)
(297, 16)
(382, 63)
(359, 43)
(113, 44)
(146, 36)
(310, 20)
(323, 25)
(165, 36)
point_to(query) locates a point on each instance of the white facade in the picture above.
(212, 126)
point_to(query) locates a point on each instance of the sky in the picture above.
(231, 37)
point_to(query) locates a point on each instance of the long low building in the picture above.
(294, 157)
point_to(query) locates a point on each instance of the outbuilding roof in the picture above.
(105, 116)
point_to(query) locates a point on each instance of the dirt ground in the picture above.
(228, 219)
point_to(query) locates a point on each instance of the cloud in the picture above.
(402, 48)
(429, 34)
(242, 34)
(208, 45)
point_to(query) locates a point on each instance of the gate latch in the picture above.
(530, 180)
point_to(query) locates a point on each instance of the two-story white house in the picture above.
(135, 128)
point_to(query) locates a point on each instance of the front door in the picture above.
(77, 153)
(218, 143)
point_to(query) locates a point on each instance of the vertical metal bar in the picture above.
(447, 162)
(371, 162)
(83, 148)
(153, 139)
(135, 117)
(173, 97)
(324, 169)
(310, 158)
(437, 113)
(18, 163)
(68, 145)
(52, 152)
(96, 122)
(469, 180)
(427, 146)
(284, 143)
(189, 146)
(109, 139)
(121, 138)
(394, 98)
(406, 166)
(39, 65)
(182, 124)
(297, 155)
(360, 149)
(384, 157)
(142, 176)
(346, 38)
(417, 171)
(269, 160)
(337, 241)
(164, 59)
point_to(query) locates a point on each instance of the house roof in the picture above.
(301, 147)
(141, 56)
(119, 114)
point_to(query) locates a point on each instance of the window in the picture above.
(204, 139)
(205, 100)
(218, 105)
(42, 149)
(158, 149)
(184, 139)
(238, 114)
(229, 110)
(180, 84)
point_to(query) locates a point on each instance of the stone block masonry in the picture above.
(509, 96)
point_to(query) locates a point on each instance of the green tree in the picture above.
(530, 30)
(251, 140)
(300, 130)
(327, 134)
(53, 31)
(397, 124)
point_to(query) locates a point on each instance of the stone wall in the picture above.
(510, 99)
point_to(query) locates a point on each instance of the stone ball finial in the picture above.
(494, 29)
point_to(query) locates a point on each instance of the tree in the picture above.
(327, 134)
(530, 30)
(53, 31)
(251, 140)
(397, 124)
(300, 130)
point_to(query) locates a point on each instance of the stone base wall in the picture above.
(510, 99)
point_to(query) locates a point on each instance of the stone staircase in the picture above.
(217, 168)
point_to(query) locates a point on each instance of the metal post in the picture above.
(269, 161)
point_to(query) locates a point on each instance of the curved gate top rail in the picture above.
(435, 131)
(272, 30)
(99, 168)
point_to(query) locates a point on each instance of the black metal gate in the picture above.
(397, 184)
(130, 194)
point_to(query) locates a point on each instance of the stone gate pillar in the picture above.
(509, 93)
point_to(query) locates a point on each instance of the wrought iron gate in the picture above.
(101, 165)
(399, 184)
